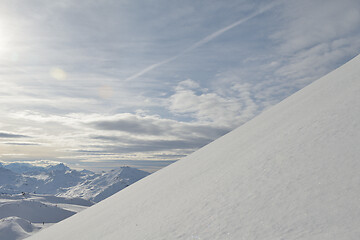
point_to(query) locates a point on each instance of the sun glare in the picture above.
(58, 73)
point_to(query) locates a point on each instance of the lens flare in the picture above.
(58, 73)
(105, 92)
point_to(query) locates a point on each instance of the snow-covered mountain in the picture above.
(60, 180)
(105, 184)
(23, 167)
(22, 177)
(22, 212)
(8, 180)
(290, 173)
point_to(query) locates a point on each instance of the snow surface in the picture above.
(33, 211)
(45, 210)
(290, 173)
(106, 184)
(23, 215)
(13, 228)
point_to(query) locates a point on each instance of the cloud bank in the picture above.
(100, 83)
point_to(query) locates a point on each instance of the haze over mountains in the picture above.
(290, 173)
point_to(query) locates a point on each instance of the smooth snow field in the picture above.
(293, 172)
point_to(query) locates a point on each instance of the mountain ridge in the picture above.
(60, 180)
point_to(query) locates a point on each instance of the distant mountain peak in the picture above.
(105, 184)
(58, 167)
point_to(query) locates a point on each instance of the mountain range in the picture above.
(34, 197)
(60, 180)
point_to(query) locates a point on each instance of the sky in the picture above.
(102, 84)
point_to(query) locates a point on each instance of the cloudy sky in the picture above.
(99, 84)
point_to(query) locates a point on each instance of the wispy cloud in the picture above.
(203, 41)
(21, 144)
(11, 135)
(217, 66)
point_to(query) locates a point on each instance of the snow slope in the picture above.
(50, 209)
(21, 177)
(60, 180)
(34, 211)
(290, 173)
(23, 215)
(8, 180)
(13, 228)
(106, 184)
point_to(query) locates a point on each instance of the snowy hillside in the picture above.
(290, 173)
(34, 211)
(21, 177)
(16, 228)
(60, 180)
(8, 180)
(106, 184)
(24, 214)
